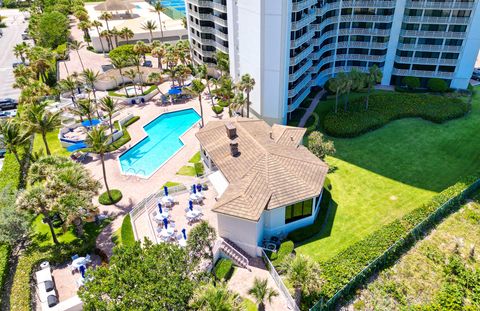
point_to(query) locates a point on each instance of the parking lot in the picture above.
(12, 35)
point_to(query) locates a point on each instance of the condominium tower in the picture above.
(290, 46)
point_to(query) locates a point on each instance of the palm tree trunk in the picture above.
(248, 105)
(336, 102)
(78, 226)
(15, 153)
(66, 68)
(100, 38)
(210, 92)
(44, 137)
(298, 295)
(151, 37)
(105, 177)
(261, 306)
(201, 108)
(80, 58)
(368, 96)
(52, 230)
(111, 124)
(160, 24)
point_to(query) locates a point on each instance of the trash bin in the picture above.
(45, 264)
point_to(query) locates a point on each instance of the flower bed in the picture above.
(386, 107)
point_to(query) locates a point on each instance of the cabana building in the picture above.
(268, 183)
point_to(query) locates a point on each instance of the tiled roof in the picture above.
(271, 170)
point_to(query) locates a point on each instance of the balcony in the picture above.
(364, 31)
(432, 34)
(366, 18)
(302, 4)
(429, 48)
(300, 71)
(350, 68)
(436, 20)
(305, 81)
(316, 55)
(209, 4)
(363, 45)
(306, 20)
(301, 56)
(368, 4)
(422, 73)
(361, 57)
(423, 60)
(439, 5)
(327, 7)
(299, 99)
(301, 40)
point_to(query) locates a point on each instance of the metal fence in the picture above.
(399, 247)
(278, 280)
(146, 202)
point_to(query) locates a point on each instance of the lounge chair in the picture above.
(75, 257)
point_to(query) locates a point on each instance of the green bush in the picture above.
(10, 173)
(5, 251)
(217, 109)
(105, 200)
(386, 107)
(52, 29)
(285, 249)
(309, 231)
(199, 169)
(126, 232)
(411, 82)
(341, 268)
(223, 269)
(124, 51)
(437, 85)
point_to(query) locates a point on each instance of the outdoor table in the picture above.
(80, 261)
(161, 216)
(182, 242)
(167, 233)
(167, 200)
(193, 214)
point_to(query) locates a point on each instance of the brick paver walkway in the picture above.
(311, 108)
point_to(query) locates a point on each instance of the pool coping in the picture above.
(146, 136)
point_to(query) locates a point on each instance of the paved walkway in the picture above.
(311, 109)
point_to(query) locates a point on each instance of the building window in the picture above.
(298, 211)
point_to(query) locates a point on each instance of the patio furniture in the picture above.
(74, 257)
(88, 258)
(167, 234)
(161, 216)
(167, 200)
(78, 262)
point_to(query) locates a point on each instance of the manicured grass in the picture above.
(124, 235)
(249, 305)
(146, 90)
(384, 174)
(187, 170)
(424, 274)
(196, 170)
(196, 158)
(171, 184)
(126, 136)
(53, 144)
(223, 269)
(42, 237)
(104, 199)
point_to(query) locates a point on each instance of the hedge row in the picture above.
(223, 269)
(339, 270)
(5, 251)
(285, 249)
(10, 173)
(387, 107)
(126, 231)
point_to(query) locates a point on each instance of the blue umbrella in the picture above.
(184, 232)
(194, 189)
(190, 205)
(88, 123)
(165, 189)
(82, 271)
(199, 188)
(160, 208)
(76, 147)
(165, 223)
(174, 91)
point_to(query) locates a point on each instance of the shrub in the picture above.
(285, 249)
(199, 169)
(223, 269)
(10, 173)
(126, 232)
(52, 29)
(437, 85)
(4, 257)
(411, 82)
(123, 51)
(386, 107)
(339, 270)
(105, 200)
(217, 109)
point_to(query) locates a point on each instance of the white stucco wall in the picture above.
(244, 233)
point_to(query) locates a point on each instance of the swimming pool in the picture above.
(162, 142)
(178, 5)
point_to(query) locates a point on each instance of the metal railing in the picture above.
(278, 280)
(302, 4)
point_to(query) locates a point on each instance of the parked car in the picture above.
(8, 114)
(476, 74)
(16, 64)
(7, 104)
(147, 63)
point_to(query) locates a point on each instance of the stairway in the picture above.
(236, 254)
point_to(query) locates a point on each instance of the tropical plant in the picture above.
(303, 274)
(98, 141)
(411, 82)
(20, 50)
(437, 85)
(159, 9)
(201, 241)
(77, 46)
(106, 16)
(150, 26)
(68, 85)
(156, 78)
(217, 297)
(85, 26)
(238, 103)
(262, 293)
(108, 105)
(246, 85)
(335, 85)
(40, 121)
(120, 63)
(41, 61)
(141, 49)
(202, 73)
(126, 34)
(196, 89)
(159, 53)
(223, 63)
(106, 34)
(91, 77)
(97, 25)
(32, 92)
(12, 137)
(84, 108)
(373, 77)
(14, 224)
(137, 62)
(132, 74)
(115, 33)
(320, 146)
(225, 92)
(52, 29)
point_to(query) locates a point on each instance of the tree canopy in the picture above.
(52, 29)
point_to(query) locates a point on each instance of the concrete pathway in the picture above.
(311, 109)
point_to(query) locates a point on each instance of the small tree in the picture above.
(437, 85)
(320, 146)
(200, 242)
(14, 224)
(335, 85)
(262, 292)
(108, 105)
(246, 85)
(40, 121)
(210, 297)
(373, 77)
(13, 137)
(218, 110)
(196, 89)
(412, 83)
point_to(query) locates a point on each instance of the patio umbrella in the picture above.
(160, 208)
(165, 190)
(194, 189)
(87, 123)
(190, 205)
(165, 223)
(184, 232)
(174, 91)
(199, 188)
(82, 271)
(76, 147)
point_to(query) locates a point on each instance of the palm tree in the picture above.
(223, 63)
(20, 50)
(132, 74)
(115, 34)
(98, 142)
(106, 34)
(91, 78)
(215, 298)
(126, 34)
(85, 26)
(108, 105)
(156, 78)
(246, 85)
(140, 48)
(97, 25)
(196, 89)
(302, 273)
(68, 85)
(40, 121)
(41, 60)
(239, 102)
(225, 92)
(12, 137)
(77, 46)
(373, 77)
(84, 108)
(159, 53)
(120, 63)
(335, 85)
(202, 73)
(159, 9)
(150, 26)
(106, 16)
(135, 61)
(262, 292)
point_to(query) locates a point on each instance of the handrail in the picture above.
(244, 259)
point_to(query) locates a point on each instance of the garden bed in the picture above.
(387, 107)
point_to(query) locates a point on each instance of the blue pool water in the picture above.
(178, 5)
(162, 142)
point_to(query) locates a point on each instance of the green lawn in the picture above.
(386, 173)
(53, 143)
